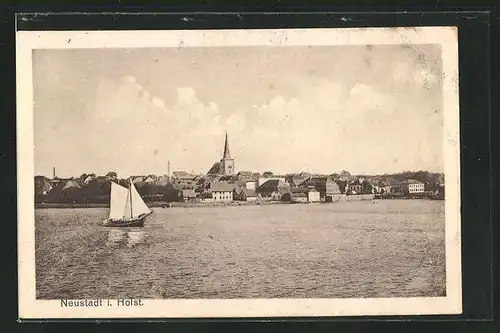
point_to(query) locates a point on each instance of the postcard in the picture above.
(238, 173)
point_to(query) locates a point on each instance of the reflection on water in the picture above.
(126, 236)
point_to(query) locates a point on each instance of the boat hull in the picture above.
(133, 222)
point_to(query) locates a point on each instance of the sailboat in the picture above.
(126, 208)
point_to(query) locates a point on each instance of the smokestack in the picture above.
(54, 172)
(168, 169)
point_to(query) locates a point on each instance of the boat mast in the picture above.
(130, 196)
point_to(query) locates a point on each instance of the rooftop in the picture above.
(221, 187)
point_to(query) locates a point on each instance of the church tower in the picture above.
(227, 163)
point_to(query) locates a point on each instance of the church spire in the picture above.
(226, 149)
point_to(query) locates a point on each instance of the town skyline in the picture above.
(128, 116)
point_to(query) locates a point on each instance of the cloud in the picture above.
(129, 79)
(143, 123)
(236, 122)
(158, 102)
(332, 125)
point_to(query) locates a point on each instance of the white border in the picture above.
(30, 308)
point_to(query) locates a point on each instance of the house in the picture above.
(245, 179)
(262, 180)
(42, 186)
(137, 179)
(98, 190)
(356, 187)
(183, 175)
(410, 186)
(302, 194)
(206, 197)
(89, 178)
(297, 179)
(188, 195)
(296, 195)
(244, 194)
(221, 191)
(313, 195)
(251, 185)
(163, 178)
(381, 187)
(185, 180)
(441, 191)
(245, 174)
(152, 191)
(70, 192)
(326, 187)
(273, 189)
(149, 179)
(415, 186)
(55, 182)
(179, 174)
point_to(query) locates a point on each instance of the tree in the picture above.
(111, 175)
(367, 188)
(334, 176)
(267, 174)
(171, 194)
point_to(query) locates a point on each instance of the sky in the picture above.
(370, 109)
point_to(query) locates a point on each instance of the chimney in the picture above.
(168, 169)
(54, 172)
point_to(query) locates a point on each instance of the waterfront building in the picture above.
(273, 189)
(297, 179)
(410, 186)
(71, 192)
(313, 195)
(326, 187)
(221, 191)
(296, 194)
(263, 180)
(415, 186)
(381, 187)
(185, 180)
(188, 195)
(250, 185)
(302, 194)
(244, 194)
(356, 187)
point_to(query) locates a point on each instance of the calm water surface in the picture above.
(388, 248)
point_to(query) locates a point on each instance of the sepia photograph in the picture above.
(238, 173)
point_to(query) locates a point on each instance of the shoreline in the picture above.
(163, 204)
(159, 204)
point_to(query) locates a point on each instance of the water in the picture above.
(388, 248)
